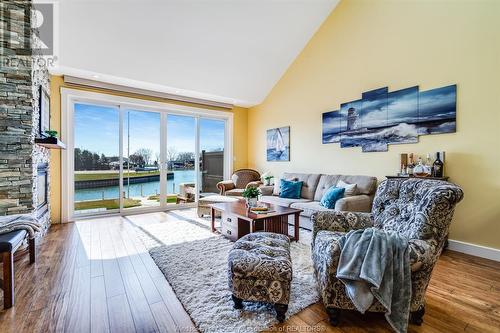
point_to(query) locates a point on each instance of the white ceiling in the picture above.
(229, 51)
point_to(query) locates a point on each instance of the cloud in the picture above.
(374, 118)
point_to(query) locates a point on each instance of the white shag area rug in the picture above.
(194, 261)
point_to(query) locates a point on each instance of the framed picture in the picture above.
(44, 119)
(278, 144)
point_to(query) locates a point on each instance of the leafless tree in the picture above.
(146, 154)
(171, 154)
(185, 157)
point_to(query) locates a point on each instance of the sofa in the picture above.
(418, 209)
(313, 188)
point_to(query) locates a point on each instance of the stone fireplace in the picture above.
(24, 171)
(42, 189)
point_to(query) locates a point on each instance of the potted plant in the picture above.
(266, 178)
(251, 196)
(51, 133)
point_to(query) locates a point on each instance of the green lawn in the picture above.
(108, 204)
(113, 175)
(171, 198)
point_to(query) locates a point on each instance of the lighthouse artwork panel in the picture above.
(381, 118)
(350, 124)
(278, 144)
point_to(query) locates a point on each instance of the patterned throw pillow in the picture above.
(290, 189)
(350, 189)
(331, 196)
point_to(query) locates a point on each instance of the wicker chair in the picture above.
(420, 210)
(240, 180)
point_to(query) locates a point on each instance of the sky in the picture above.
(331, 122)
(439, 103)
(97, 130)
(374, 108)
(403, 106)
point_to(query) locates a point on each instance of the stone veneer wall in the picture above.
(20, 78)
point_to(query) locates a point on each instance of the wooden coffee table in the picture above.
(237, 220)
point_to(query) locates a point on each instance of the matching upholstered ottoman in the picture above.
(260, 269)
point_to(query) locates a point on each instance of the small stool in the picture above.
(9, 243)
(260, 270)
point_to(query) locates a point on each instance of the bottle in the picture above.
(411, 165)
(442, 157)
(403, 163)
(419, 169)
(428, 165)
(437, 170)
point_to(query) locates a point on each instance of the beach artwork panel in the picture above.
(278, 144)
(437, 110)
(402, 116)
(381, 118)
(374, 118)
(331, 127)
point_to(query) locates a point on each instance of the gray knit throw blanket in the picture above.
(20, 222)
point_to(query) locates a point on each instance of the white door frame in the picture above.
(71, 96)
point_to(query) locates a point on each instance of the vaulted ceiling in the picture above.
(225, 50)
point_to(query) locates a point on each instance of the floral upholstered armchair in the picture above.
(418, 209)
(240, 180)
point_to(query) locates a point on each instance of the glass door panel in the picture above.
(181, 152)
(212, 141)
(141, 159)
(96, 159)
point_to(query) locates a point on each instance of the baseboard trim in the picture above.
(475, 250)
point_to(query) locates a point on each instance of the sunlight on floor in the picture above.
(147, 230)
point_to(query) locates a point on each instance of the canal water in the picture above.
(134, 190)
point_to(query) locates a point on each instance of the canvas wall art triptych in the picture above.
(381, 118)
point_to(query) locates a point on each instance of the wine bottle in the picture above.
(437, 170)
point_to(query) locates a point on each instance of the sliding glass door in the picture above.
(212, 154)
(96, 156)
(141, 159)
(125, 159)
(181, 159)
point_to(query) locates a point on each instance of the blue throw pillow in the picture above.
(290, 189)
(331, 196)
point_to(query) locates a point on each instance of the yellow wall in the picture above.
(370, 44)
(56, 83)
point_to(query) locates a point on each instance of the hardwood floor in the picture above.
(96, 276)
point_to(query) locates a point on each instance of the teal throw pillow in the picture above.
(290, 189)
(331, 196)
